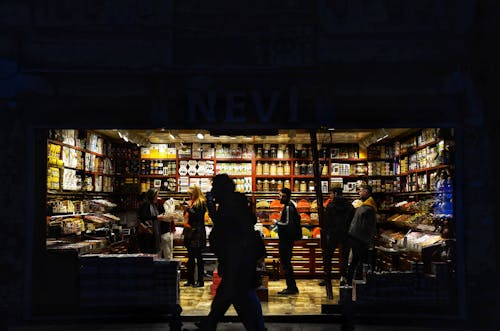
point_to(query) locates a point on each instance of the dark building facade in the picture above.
(264, 64)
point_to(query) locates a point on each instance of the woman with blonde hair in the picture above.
(195, 235)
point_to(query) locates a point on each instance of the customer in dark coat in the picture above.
(151, 214)
(338, 215)
(362, 230)
(233, 241)
(195, 236)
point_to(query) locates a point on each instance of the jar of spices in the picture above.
(303, 168)
(259, 152)
(280, 153)
(279, 185)
(286, 168)
(287, 184)
(265, 168)
(259, 185)
(311, 186)
(265, 185)
(258, 169)
(273, 153)
(272, 169)
(272, 185)
(279, 169)
(303, 186)
(310, 169)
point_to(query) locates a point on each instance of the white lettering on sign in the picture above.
(242, 107)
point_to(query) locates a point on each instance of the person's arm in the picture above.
(286, 218)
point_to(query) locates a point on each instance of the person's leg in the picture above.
(345, 250)
(327, 261)
(285, 251)
(201, 267)
(249, 309)
(190, 267)
(356, 259)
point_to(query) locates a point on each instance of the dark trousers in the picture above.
(359, 255)
(195, 259)
(286, 251)
(237, 287)
(331, 244)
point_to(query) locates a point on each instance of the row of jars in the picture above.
(283, 152)
(268, 185)
(283, 168)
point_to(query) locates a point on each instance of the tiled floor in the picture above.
(196, 301)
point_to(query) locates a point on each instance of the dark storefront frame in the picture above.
(376, 110)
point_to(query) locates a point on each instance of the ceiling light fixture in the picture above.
(171, 135)
(200, 136)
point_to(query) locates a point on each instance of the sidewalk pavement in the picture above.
(234, 326)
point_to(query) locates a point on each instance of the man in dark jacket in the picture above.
(362, 230)
(286, 241)
(338, 216)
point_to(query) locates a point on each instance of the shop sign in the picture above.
(241, 109)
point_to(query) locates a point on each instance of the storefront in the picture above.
(419, 241)
(95, 178)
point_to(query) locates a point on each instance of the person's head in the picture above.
(285, 195)
(337, 191)
(196, 195)
(194, 192)
(222, 185)
(365, 191)
(152, 195)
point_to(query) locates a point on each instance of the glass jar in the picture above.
(296, 168)
(311, 186)
(272, 169)
(303, 186)
(287, 184)
(310, 169)
(259, 153)
(265, 185)
(258, 169)
(272, 185)
(279, 185)
(273, 153)
(265, 168)
(279, 169)
(303, 168)
(286, 168)
(259, 186)
(280, 153)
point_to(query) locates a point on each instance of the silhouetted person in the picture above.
(362, 230)
(286, 241)
(338, 215)
(233, 241)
